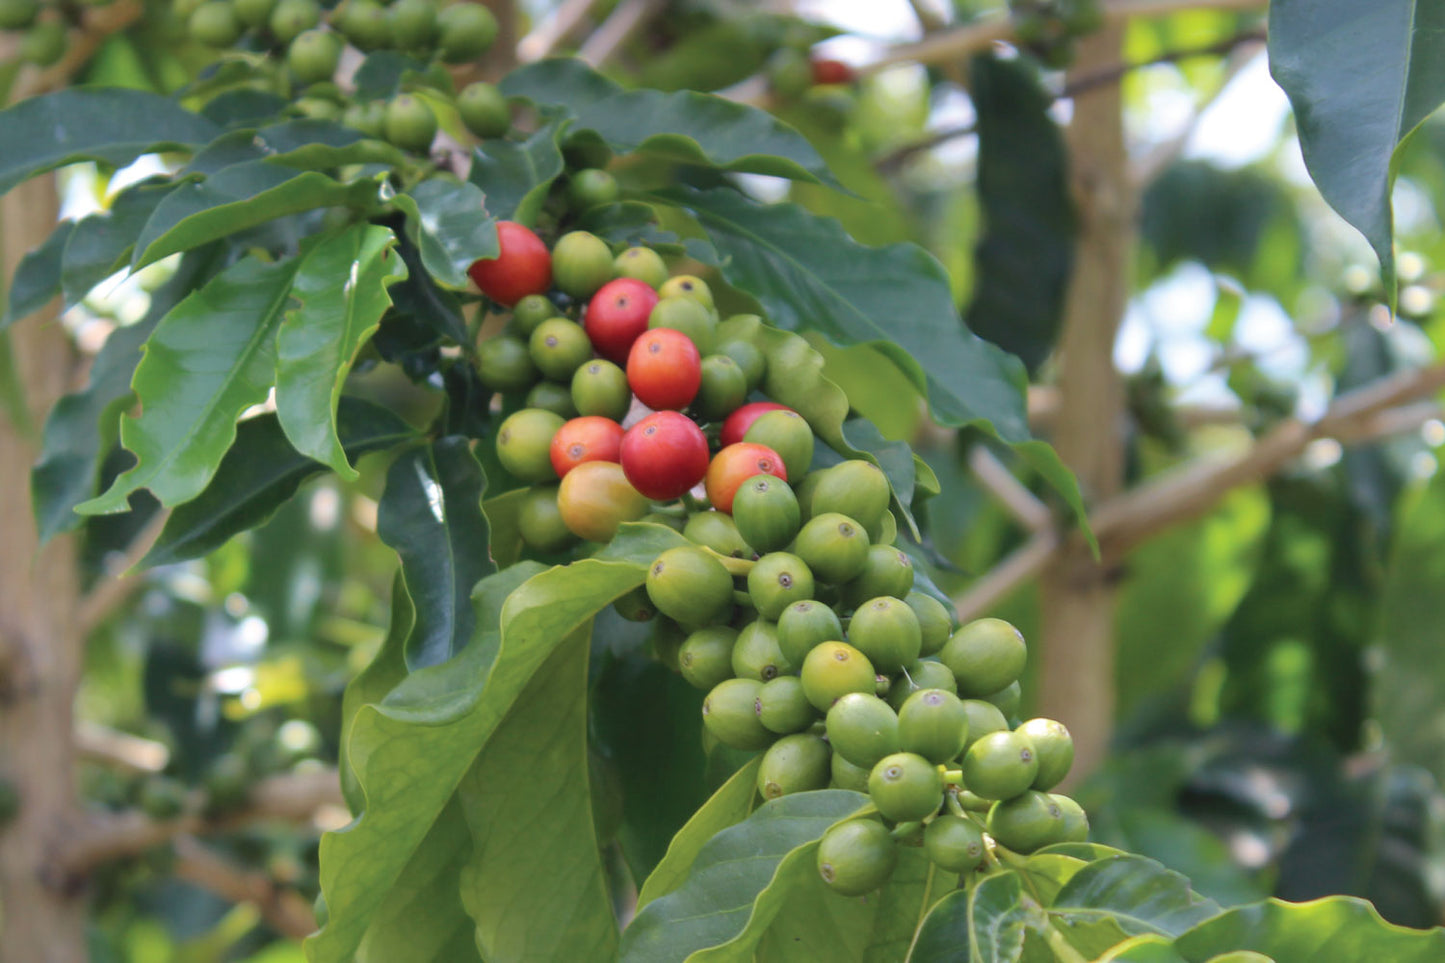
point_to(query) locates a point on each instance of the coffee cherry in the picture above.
(687, 316)
(18, 14)
(934, 620)
(550, 396)
(530, 312)
(765, 510)
(795, 763)
(642, 264)
(856, 857)
(706, 656)
(600, 388)
(540, 521)
(933, 724)
(522, 266)
(617, 316)
(291, 18)
(214, 24)
(834, 669)
(664, 455)
(413, 23)
(718, 532)
(787, 433)
(596, 497)
(1000, 765)
(1027, 822)
(505, 364)
(464, 32)
(776, 581)
(729, 713)
(756, 654)
(803, 625)
(1007, 699)
(855, 488)
(313, 56)
(985, 656)
(484, 110)
(954, 843)
(738, 423)
(558, 348)
(688, 286)
(723, 387)
(983, 718)
(848, 776)
(826, 71)
(582, 440)
(635, 606)
(369, 118)
(748, 358)
(886, 630)
(581, 264)
(917, 677)
(863, 729)
(1055, 750)
(783, 706)
(410, 123)
(363, 22)
(736, 464)
(834, 546)
(1076, 822)
(887, 571)
(905, 786)
(789, 72)
(689, 585)
(664, 369)
(592, 188)
(523, 444)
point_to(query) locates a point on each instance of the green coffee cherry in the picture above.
(718, 532)
(789, 73)
(724, 388)
(856, 857)
(855, 488)
(788, 434)
(934, 724)
(863, 729)
(365, 24)
(18, 14)
(1076, 821)
(1007, 699)
(920, 675)
(783, 706)
(954, 843)
(369, 118)
(766, 513)
(834, 669)
(505, 364)
(905, 787)
(558, 348)
(600, 387)
(410, 123)
(413, 23)
(706, 656)
(581, 263)
(689, 317)
(749, 358)
(635, 606)
(590, 188)
(253, 13)
(795, 763)
(729, 713)
(776, 581)
(540, 522)
(756, 654)
(983, 718)
(464, 32)
(848, 776)
(1055, 750)
(689, 585)
(934, 620)
(834, 546)
(214, 24)
(985, 656)
(291, 18)
(532, 311)
(803, 625)
(888, 571)
(642, 263)
(484, 111)
(524, 444)
(313, 56)
(317, 108)
(1000, 765)
(553, 397)
(886, 630)
(1027, 822)
(688, 286)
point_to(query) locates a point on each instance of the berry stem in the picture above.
(905, 830)
(953, 777)
(744, 599)
(954, 806)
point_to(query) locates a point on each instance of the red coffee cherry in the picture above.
(664, 369)
(738, 423)
(589, 438)
(734, 465)
(522, 266)
(664, 455)
(617, 316)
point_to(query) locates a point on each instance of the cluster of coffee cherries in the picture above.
(42, 28)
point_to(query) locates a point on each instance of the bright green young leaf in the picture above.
(107, 124)
(1361, 78)
(730, 805)
(37, 277)
(515, 177)
(684, 126)
(1341, 929)
(100, 243)
(1146, 949)
(738, 882)
(340, 292)
(431, 513)
(210, 358)
(449, 224)
(260, 472)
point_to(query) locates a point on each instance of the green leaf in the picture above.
(106, 124)
(683, 126)
(738, 882)
(1146, 949)
(808, 274)
(515, 177)
(449, 224)
(1026, 252)
(431, 513)
(730, 805)
(37, 276)
(100, 243)
(381, 74)
(1361, 78)
(320, 145)
(260, 472)
(210, 358)
(385, 671)
(1137, 894)
(990, 920)
(503, 517)
(238, 197)
(14, 406)
(1341, 929)
(340, 290)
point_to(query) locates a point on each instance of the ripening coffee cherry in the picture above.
(540, 521)
(706, 656)
(783, 706)
(581, 264)
(1000, 765)
(855, 488)
(313, 56)
(688, 286)
(983, 719)
(505, 364)
(464, 32)
(934, 620)
(558, 348)
(413, 23)
(738, 423)
(687, 316)
(584, 439)
(985, 656)
(291, 18)
(888, 571)
(848, 776)
(776, 581)
(596, 497)
(664, 369)
(1055, 750)
(718, 532)
(664, 455)
(863, 729)
(729, 713)
(524, 444)
(734, 465)
(954, 843)
(827, 71)
(766, 512)
(484, 110)
(552, 397)
(795, 763)
(1029, 821)
(690, 585)
(917, 677)
(617, 316)
(905, 786)
(641, 264)
(834, 669)
(856, 857)
(214, 24)
(886, 630)
(834, 546)
(531, 311)
(522, 266)
(787, 433)
(600, 388)
(803, 625)
(591, 188)
(723, 388)
(933, 724)
(756, 654)
(410, 123)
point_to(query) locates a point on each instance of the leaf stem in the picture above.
(735, 566)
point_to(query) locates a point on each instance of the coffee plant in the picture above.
(591, 381)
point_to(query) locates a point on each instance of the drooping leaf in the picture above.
(1341, 929)
(449, 224)
(515, 177)
(431, 513)
(209, 359)
(260, 472)
(1361, 78)
(340, 292)
(683, 126)
(107, 124)
(1026, 252)
(99, 244)
(37, 277)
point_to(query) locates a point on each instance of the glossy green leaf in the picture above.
(515, 177)
(449, 224)
(385, 671)
(100, 243)
(987, 923)
(320, 145)
(1126, 896)
(260, 472)
(37, 277)
(1361, 78)
(809, 275)
(431, 513)
(503, 519)
(738, 882)
(683, 126)
(210, 358)
(107, 124)
(1144, 949)
(340, 293)
(1341, 929)
(1025, 255)
(730, 805)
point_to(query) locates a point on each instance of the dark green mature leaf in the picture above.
(384, 673)
(37, 277)
(320, 145)
(1026, 253)
(381, 74)
(1341, 929)
(808, 274)
(99, 244)
(515, 177)
(419, 299)
(990, 921)
(730, 805)
(260, 472)
(107, 124)
(683, 126)
(1361, 78)
(738, 882)
(1137, 894)
(431, 513)
(210, 358)
(341, 294)
(237, 197)
(449, 224)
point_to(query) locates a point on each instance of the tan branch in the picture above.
(1020, 567)
(120, 582)
(629, 17)
(554, 30)
(119, 750)
(1011, 493)
(284, 910)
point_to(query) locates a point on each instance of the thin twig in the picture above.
(120, 750)
(121, 582)
(554, 30)
(617, 29)
(97, 24)
(1021, 566)
(284, 910)
(1020, 502)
